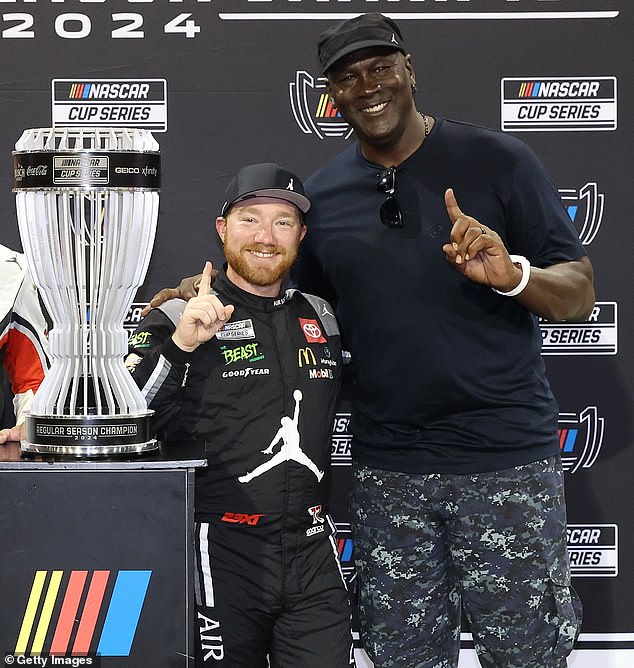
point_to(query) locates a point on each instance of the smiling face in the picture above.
(261, 238)
(372, 89)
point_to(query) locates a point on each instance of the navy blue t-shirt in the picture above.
(447, 374)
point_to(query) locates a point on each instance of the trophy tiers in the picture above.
(87, 205)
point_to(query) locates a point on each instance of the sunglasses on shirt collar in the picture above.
(390, 212)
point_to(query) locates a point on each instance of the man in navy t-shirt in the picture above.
(440, 243)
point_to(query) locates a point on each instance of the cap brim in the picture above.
(357, 46)
(300, 201)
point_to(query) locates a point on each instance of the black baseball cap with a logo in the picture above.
(357, 33)
(265, 180)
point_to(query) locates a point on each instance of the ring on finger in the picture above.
(483, 230)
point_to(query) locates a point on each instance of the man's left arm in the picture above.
(563, 291)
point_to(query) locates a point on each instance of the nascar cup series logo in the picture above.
(135, 103)
(312, 108)
(553, 104)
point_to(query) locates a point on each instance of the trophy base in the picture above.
(88, 436)
(88, 451)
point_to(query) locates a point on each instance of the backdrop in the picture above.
(226, 82)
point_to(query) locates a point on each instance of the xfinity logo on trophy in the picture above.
(553, 104)
(585, 208)
(593, 550)
(138, 103)
(313, 111)
(580, 438)
(598, 335)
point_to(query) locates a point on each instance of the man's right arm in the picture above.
(157, 365)
(186, 289)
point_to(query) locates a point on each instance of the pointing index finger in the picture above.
(451, 203)
(204, 287)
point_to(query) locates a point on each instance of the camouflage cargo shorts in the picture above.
(429, 548)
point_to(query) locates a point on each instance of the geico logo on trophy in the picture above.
(127, 170)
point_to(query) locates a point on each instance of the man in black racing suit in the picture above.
(255, 372)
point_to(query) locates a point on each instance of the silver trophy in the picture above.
(87, 205)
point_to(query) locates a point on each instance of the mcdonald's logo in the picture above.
(305, 356)
(48, 626)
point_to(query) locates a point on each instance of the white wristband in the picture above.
(526, 274)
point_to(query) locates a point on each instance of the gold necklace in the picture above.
(426, 122)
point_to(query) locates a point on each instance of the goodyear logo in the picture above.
(137, 103)
(74, 628)
(559, 104)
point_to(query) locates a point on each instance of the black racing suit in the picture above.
(262, 395)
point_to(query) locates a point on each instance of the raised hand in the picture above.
(203, 316)
(477, 251)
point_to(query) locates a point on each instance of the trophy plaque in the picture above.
(87, 205)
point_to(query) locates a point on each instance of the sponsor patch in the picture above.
(242, 329)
